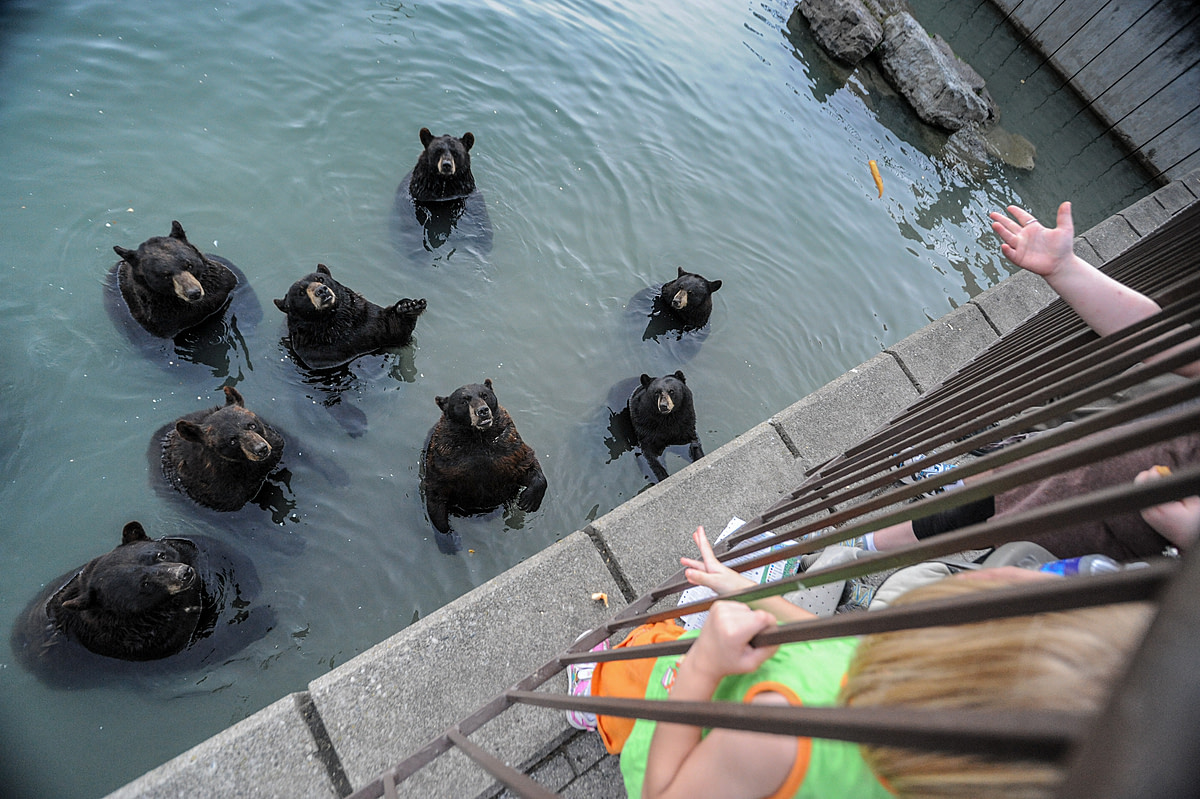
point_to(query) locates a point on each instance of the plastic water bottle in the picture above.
(1086, 564)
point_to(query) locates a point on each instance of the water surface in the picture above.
(615, 141)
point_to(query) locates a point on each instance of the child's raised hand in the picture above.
(723, 647)
(710, 572)
(1030, 245)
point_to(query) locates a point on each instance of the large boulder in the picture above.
(845, 28)
(930, 80)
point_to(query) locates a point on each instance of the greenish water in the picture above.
(615, 142)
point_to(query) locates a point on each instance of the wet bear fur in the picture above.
(475, 460)
(330, 324)
(221, 457)
(687, 299)
(141, 601)
(443, 170)
(662, 414)
(170, 286)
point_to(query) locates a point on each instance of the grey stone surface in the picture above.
(392, 699)
(1087, 252)
(1145, 215)
(602, 782)
(269, 754)
(845, 28)
(1111, 237)
(647, 534)
(931, 82)
(935, 351)
(1176, 196)
(1010, 302)
(845, 410)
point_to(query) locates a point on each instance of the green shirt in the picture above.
(813, 670)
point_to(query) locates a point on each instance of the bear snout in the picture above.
(321, 296)
(255, 447)
(481, 416)
(680, 300)
(187, 287)
(179, 577)
(665, 404)
(445, 164)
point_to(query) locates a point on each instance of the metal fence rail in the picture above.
(1048, 369)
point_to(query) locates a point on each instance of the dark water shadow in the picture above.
(436, 233)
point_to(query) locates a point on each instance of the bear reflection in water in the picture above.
(474, 461)
(437, 204)
(167, 292)
(146, 600)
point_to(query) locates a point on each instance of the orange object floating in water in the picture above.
(875, 174)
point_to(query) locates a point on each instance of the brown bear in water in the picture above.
(141, 601)
(475, 460)
(662, 414)
(330, 324)
(170, 286)
(688, 298)
(220, 457)
(437, 202)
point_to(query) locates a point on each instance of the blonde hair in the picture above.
(1051, 661)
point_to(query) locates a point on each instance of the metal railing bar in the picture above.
(1098, 424)
(1018, 734)
(1016, 527)
(512, 779)
(1129, 585)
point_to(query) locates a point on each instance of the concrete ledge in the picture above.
(844, 411)
(937, 350)
(1010, 302)
(647, 534)
(392, 699)
(271, 753)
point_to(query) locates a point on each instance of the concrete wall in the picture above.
(1136, 62)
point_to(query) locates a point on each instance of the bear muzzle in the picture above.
(255, 447)
(481, 416)
(445, 165)
(680, 300)
(187, 287)
(664, 403)
(179, 577)
(321, 296)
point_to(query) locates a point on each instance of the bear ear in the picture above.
(77, 603)
(190, 431)
(324, 270)
(129, 256)
(233, 397)
(441, 402)
(426, 137)
(281, 305)
(679, 375)
(177, 231)
(133, 532)
(646, 379)
(468, 140)
(713, 285)
(681, 272)
(488, 382)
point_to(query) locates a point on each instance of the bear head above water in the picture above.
(476, 461)
(169, 285)
(221, 457)
(330, 324)
(141, 601)
(662, 414)
(688, 298)
(443, 170)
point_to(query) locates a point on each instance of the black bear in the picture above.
(146, 600)
(330, 325)
(220, 457)
(662, 414)
(169, 286)
(440, 195)
(474, 460)
(688, 298)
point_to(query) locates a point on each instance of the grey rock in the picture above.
(845, 28)
(928, 79)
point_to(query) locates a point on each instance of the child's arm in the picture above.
(726, 763)
(1105, 304)
(712, 573)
